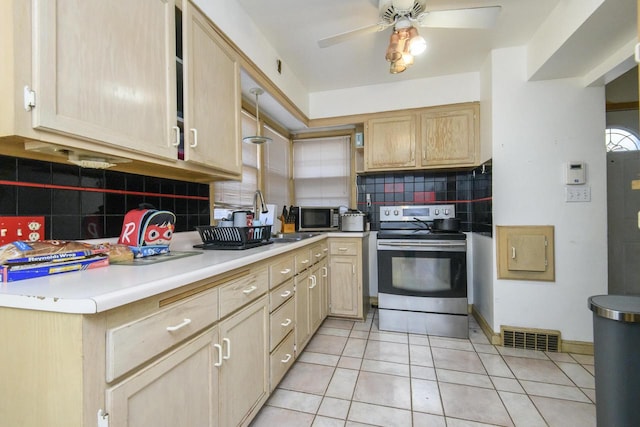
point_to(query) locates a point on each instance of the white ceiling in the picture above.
(293, 28)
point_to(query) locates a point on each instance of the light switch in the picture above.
(577, 194)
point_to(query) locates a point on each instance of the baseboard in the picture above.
(488, 331)
(577, 347)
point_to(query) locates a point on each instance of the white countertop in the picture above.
(101, 289)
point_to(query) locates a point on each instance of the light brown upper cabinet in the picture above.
(448, 136)
(86, 77)
(444, 137)
(212, 133)
(99, 75)
(391, 143)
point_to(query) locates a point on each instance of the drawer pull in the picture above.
(286, 359)
(342, 249)
(318, 255)
(286, 323)
(285, 294)
(285, 271)
(228, 342)
(325, 249)
(184, 323)
(249, 290)
(219, 362)
(306, 261)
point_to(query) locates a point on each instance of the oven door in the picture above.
(422, 268)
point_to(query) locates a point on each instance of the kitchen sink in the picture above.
(292, 237)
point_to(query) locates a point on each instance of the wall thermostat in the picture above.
(575, 173)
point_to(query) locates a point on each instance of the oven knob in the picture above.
(446, 212)
(436, 212)
(386, 213)
(396, 213)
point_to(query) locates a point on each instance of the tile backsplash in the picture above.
(470, 191)
(80, 203)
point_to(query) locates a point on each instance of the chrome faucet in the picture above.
(263, 206)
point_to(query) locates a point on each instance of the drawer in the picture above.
(344, 248)
(303, 259)
(281, 294)
(281, 360)
(242, 290)
(281, 270)
(133, 343)
(282, 322)
(319, 251)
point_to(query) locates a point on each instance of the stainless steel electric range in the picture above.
(422, 272)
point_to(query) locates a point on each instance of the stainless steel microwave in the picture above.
(315, 218)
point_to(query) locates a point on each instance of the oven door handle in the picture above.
(417, 246)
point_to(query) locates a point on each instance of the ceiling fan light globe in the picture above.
(417, 45)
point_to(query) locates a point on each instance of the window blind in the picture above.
(321, 171)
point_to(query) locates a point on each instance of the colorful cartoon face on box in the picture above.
(158, 234)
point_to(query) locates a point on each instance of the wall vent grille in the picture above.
(530, 339)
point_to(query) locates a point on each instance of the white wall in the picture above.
(537, 126)
(416, 93)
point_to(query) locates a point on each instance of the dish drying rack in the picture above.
(233, 237)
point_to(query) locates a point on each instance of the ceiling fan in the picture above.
(413, 12)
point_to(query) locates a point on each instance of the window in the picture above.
(239, 194)
(620, 139)
(321, 171)
(276, 167)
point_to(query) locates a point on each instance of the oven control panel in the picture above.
(419, 212)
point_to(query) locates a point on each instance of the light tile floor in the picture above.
(352, 374)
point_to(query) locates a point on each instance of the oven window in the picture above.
(421, 274)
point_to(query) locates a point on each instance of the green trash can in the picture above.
(616, 343)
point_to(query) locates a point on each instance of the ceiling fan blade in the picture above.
(477, 17)
(343, 37)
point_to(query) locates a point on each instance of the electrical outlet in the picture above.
(577, 194)
(368, 200)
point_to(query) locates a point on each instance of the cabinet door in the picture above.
(100, 75)
(212, 97)
(324, 289)
(449, 137)
(244, 373)
(391, 143)
(344, 286)
(303, 325)
(315, 299)
(178, 390)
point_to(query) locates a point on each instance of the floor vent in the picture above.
(530, 339)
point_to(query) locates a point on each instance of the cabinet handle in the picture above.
(228, 342)
(306, 261)
(325, 271)
(285, 294)
(249, 290)
(286, 323)
(177, 141)
(219, 362)
(342, 249)
(194, 144)
(184, 323)
(318, 255)
(285, 271)
(637, 53)
(325, 249)
(313, 281)
(286, 359)
(513, 252)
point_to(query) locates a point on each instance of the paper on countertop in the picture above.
(269, 217)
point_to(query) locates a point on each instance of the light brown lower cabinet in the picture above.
(346, 298)
(206, 354)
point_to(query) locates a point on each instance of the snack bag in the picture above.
(147, 231)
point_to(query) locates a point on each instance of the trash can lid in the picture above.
(623, 308)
